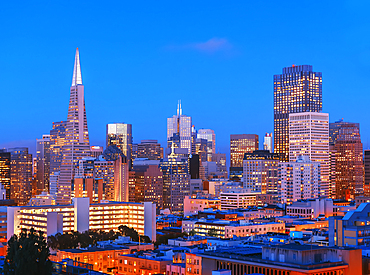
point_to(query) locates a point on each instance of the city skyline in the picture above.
(206, 65)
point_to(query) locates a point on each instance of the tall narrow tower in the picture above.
(76, 144)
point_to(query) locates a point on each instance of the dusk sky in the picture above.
(138, 59)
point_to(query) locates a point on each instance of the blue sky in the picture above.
(139, 58)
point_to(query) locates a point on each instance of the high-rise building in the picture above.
(298, 89)
(21, 175)
(367, 173)
(176, 182)
(267, 142)
(43, 164)
(239, 145)
(77, 145)
(149, 182)
(309, 136)
(181, 125)
(220, 160)
(57, 140)
(210, 136)
(120, 134)
(299, 179)
(5, 171)
(149, 149)
(260, 172)
(201, 149)
(345, 141)
(96, 151)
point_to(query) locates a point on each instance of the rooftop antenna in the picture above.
(180, 108)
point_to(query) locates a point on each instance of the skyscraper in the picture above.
(120, 134)
(21, 175)
(43, 164)
(57, 140)
(367, 172)
(239, 145)
(77, 145)
(345, 141)
(267, 142)
(298, 89)
(210, 136)
(5, 171)
(181, 125)
(149, 149)
(309, 136)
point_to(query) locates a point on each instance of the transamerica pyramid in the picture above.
(77, 145)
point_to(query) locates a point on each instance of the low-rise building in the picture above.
(237, 200)
(192, 205)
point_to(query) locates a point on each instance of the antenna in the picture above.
(180, 108)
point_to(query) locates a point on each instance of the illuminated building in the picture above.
(176, 182)
(82, 216)
(76, 144)
(57, 140)
(367, 172)
(96, 151)
(181, 125)
(193, 205)
(120, 135)
(5, 171)
(345, 141)
(220, 160)
(149, 183)
(42, 199)
(267, 142)
(201, 149)
(21, 175)
(149, 149)
(300, 179)
(239, 145)
(210, 136)
(309, 136)
(260, 172)
(43, 164)
(85, 187)
(237, 200)
(298, 89)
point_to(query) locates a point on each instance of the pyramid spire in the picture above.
(77, 78)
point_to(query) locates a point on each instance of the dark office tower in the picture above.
(298, 89)
(367, 172)
(57, 140)
(239, 145)
(5, 171)
(345, 141)
(77, 145)
(21, 175)
(150, 149)
(120, 134)
(43, 164)
(194, 165)
(176, 185)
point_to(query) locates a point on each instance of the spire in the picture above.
(77, 78)
(179, 109)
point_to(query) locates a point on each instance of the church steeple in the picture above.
(77, 78)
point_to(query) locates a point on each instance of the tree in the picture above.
(27, 253)
(212, 232)
(192, 232)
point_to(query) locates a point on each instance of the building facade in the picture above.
(43, 164)
(267, 142)
(309, 136)
(149, 149)
(210, 136)
(120, 135)
(366, 174)
(5, 171)
(298, 89)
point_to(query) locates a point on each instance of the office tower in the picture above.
(239, 145)
(20, 175)
(220, 160)
(367, 173)
(83, 187)
(298, 89)
(210, 136)
(345, 141)
(267, 142)
(299, 179)
(201, 149)
(57, 140)
(260, 172)
(43, 164)
(194, 164)
(181, 125)
(76, 144)
(176, 180)
(120, 134)
(104, 169)
(149, 149)
(5, 171)
(96, 151)
(309, 136)
(134, 151)
(149, 182)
